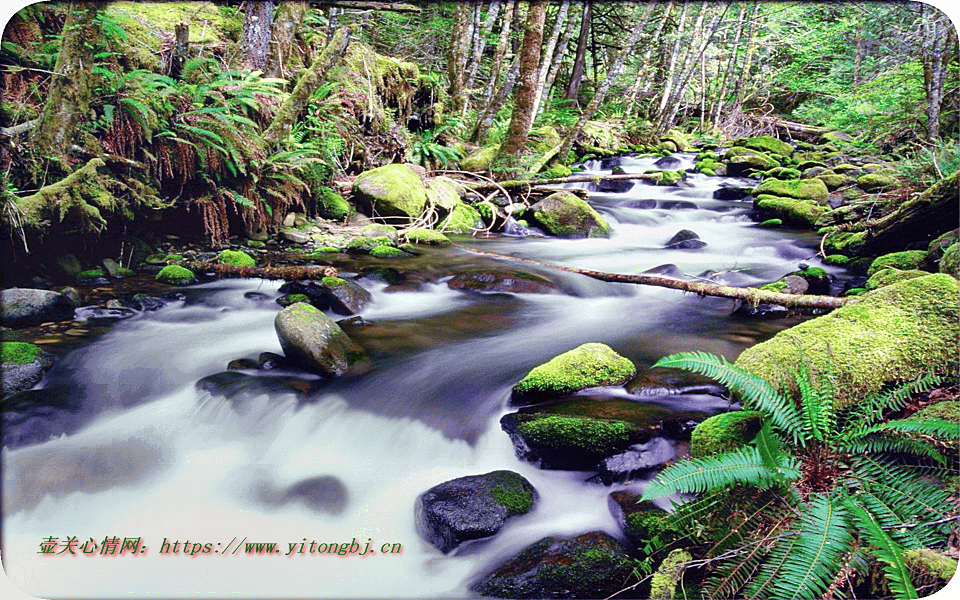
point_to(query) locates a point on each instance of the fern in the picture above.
(886, 550)
(745, 465)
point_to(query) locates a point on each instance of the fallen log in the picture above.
(516, 184)
(291, 273)
(753, 296)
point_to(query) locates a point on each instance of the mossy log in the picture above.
(753, 296)
(292, 273)
(364, 5)
(516, 184)
(307, 84)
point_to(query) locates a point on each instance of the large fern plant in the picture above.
(818, 491)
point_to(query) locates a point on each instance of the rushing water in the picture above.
(150, 455)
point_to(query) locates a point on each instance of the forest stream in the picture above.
(152, 455)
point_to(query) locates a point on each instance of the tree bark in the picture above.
(525, 94)
(311, 79)
(456, 57)
(556, 63)
(285, 57)
(481, 43)
(71, 88)
(490, 113)
(644, 80)
(752, 296)
(546, 61)
(495, 68)
(573, 90)
(256, 33)
(181, 42)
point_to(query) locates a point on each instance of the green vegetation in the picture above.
(588, 365)
(594, 435)
(236, 258)
(175, 275)
(19, 353)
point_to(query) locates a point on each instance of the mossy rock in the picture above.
(333, 206)
(388, 252)
(663, 583)
(793, 212)
(426, 236)
(236, 258)
(909, 259)
(877, 182)
(767, 144)
(390, 192)
(837, 260)
(640, 520)
(849, 243)
(950, 262)
(558, 171)
(90, 274)
(19, 353)
(813, 190)
(891, 334)
(462, 219)
(725, 432)
(664, 177)
(367, 244)
(443, 195)
(480, 159)
(835, 181)
(771, 223)
(313, 340)
(565, 215)
(588, 365)
(783, 173)
(176, 275)
(679, 140)
(22, 366)
(289, 299)
(749, 160)
(889, 275)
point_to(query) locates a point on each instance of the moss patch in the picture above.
(663, 584)
(950, 262)
(910, 259)
(332, 205)
(462, 219)
(175, 275)
(595, 435)
(236, 258)
(387, 252)
(512, 491)
(586, 366)
(725, 432)
(812, 190)
(390, 191)
(563, 214)
(799, 213)
(889, 275)
(766, 143)
(426, 236)
(19, 353)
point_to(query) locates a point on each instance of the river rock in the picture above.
(668, 163)
(725, 432)
(471, 508)
(22, 366)
(615, 186)
(502, 281)
(22, 307)
(390, 192)
(99, 315)
(345, 297)
(591, 565)
(640, 522)
(685, 240)
(312, 339)
(564, 215)
(638, 461)
(588, 365)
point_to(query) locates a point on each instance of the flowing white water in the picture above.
(159, 459)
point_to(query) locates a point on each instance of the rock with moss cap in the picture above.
(470, 508)
(176, 275)
(766, 143)
(23, 307)
(426, 236)
(890, 334)
(313, 340)
(392, 192)
(462, 219)
(22, 365)
(500, 280)
(909, 259)
(877, 182)
(333, 206)
(443, 195)
(345, 297)
(564, 215)
(236, 258)
(950, 262)
(891, 275)
(725, 432)
(591, 565)
(640, 521)
(480, 159)
(742, 161)
(588, 365)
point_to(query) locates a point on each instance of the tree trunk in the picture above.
(728, 74)
(490, 113)
(181, 42)
(311, 79)
(547, 61)
(71, 88)
(285, 57)
(481, 43)
(456, 57)
(643, 80)
(604, 87)
(495, 67)
(256, 34)
(556, 63)
(573, 90)
(525, 94)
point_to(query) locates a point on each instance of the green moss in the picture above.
(663, 584)
(462, 219)
(876, 182)
(834, 181)
(565, 215)
(930, 565)
(90, 273)
(390, 191)
(776, 286)
(845, 242)
(426, 236)
(512, 491)
(236, 258)
(558, 171)
(750, 158)
(910, 259)
(19, 353)
(124, 272)
(333, 206)
(387, 252)
(889, 275)
(172, 257)
(724, 432)
(783, 173)
(559, 431)
(480, 159)
(766, 143)
(332, 281)
(836, 259)
(292, 299)
(891, 334)
(950, 262)
(665, 177)
(367, 244)
(855, 291)
(175, 275)
(798, 213)
(487, 210)
(588, 365)
(321, 252)
(812, 190)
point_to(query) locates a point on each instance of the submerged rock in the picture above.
(591, 565)
(312, 339)
(588, 365)
(23, 307)
(471, 508)
(322, 494)
(685, 240)
(502, 281)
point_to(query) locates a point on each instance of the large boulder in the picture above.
(591, 565)
(588, 365)
(471, 508)
(312, 339)
(23, 307)
(462, 219)
(803, 189)
(564, 215)
(891, 334)
(391, 191)
(344, 296)
(766, 143)
(501, 280)
(798, 202)
(725, 432)
(22, 366)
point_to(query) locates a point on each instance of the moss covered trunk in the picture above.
(285, 56)
(71, 88)
(932, 213)
(526, 91)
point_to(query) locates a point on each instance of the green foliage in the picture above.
(838, 479)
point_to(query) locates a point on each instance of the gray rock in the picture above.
(312, 339)
(17, 377)
(22, 307)
(685, 240)
(471, 508)
(345, 297)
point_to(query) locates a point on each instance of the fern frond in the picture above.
(755, 393)
(770, 572)
(870, 410)
(884, 444)
(940, 428)
(885, 550)
(817, 555)
(744, 465)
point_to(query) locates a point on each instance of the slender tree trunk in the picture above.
(556, 63)
(674, 54)
(604, 87)
(731, 63)
(497, 63)
(547, 61)
(181, 42)
(256, 33)
(644, 78)
(748, 58)
(285, 57)
(456, 58)
(573, 90)
(526, 92)
(936, 50)
(480, 43)
(71, 88)
(490, 113)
